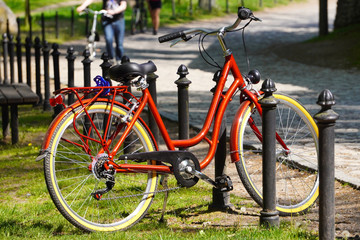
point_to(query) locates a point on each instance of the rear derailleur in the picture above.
(100, 172)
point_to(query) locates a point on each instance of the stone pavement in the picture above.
(296, 22)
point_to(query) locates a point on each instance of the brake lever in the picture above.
(173, 43)
(255, 18)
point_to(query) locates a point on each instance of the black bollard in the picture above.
(46, 53)
(19, 58)
(28, 46)
(5, 57)
(71, 71)
(87, 83)
(37, 47)
(105, 66)
(11, 58)
(55, 54)
(56, 64)
(269, 216)
(326, 120)
(183, 102)
(221, 199)
(87, 68)
(151, 78)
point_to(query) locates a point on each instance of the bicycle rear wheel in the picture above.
(296, 172)
(72, 180)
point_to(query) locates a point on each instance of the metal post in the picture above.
(87, 72)
(105, 66)
(87, 83)
(11, 58)
(19, 57)
(326, 120)
(71, 71)
(37, 47)
(269, 216)
(221, 200)
(183, 102)
(28, 46)
(5, 56)
(55, 54)
(46, 52)
(151, 77)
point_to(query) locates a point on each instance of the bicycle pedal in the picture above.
(224, 183)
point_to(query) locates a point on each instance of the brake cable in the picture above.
(214, 63)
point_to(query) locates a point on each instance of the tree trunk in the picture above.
(323, 18)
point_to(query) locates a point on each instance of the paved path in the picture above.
(283, 25)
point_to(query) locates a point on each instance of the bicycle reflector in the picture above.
(101, 82)
(58, 99)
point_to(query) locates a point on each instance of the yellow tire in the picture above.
(296, 171)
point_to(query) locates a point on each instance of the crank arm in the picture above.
(200, 175)
(223, 183)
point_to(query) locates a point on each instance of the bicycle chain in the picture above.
(141, 194)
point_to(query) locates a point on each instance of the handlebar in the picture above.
(88, 10)
(243, 14)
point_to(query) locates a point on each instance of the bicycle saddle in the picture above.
(130, 70)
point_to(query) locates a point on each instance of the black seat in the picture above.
(130, 70)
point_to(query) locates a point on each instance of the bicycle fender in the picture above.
(234, 132)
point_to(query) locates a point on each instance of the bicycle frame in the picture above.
(218, 107)
(215, 115)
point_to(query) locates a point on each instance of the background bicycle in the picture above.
(93, 35)
(138, 17)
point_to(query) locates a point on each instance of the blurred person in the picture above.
(113, 24)
(154, 8)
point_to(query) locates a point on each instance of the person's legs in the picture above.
(109, 36)
(156, 19)
(119, 31)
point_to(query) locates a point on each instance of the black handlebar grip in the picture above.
(171, 36)
(244, 13)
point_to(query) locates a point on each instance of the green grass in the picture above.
(345, 43)
(26, 210)
(182, 15)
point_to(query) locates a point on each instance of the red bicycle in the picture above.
(102, 162)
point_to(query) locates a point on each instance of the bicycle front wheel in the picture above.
(72, 177)
(296, 167)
